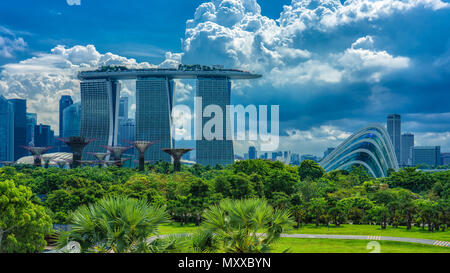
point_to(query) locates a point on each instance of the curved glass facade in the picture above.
(215, 91)
(370, 147)
(99, 114)
(154, 102)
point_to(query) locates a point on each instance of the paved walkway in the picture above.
(373, 238)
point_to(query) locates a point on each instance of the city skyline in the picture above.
(321, 99)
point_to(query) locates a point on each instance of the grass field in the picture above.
(172, 227)
(296, 245)
(368, 230)
(415, 232)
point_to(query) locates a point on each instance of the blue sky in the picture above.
(332, 66)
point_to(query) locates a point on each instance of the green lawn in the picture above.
(297, 245)
(415, 232)
(173, 227)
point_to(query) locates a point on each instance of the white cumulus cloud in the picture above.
(73, 2)
(44, 78)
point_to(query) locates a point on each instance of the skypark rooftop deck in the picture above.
(183, 72)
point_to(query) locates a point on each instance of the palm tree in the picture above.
(117, 224)
(238, 226)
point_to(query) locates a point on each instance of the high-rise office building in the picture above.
(154, 102)
(394, 130)
(215, 91)
(31, 123)
(252, 152)
(99, 114)
(407, 142)
(428, 155)
(127, 133)
(6, 130)
(20, 127)
(123, 108)
(445, 159)
(72, 120)
(43, 136)
(64, 102)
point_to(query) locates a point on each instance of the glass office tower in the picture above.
(426, 155)
(216, 91)
(99, 114)
(154, 102)
(64, 102)
(6, 130)
(31, 124)
(407, 143)
(395, 130)
(72, 120)
(20, 127)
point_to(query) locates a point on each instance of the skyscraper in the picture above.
(64, 102)
(428, 155)
(407, 142)
(43, 135)
(99, 114)
(154, 102)
(20, 127)
(31, 123)
(6, 130)
(445, 159)
(123, 108)
(216, 91)
(252, 152)
(72, 120)
(394, 131)
(127, 133)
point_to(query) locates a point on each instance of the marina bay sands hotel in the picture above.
(100, 96)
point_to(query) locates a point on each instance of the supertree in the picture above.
(111, 162)
(37, 153)
(176, 154)
(61, 163)
(70, 162)
(87, 162)
(141, 146)
(145, 162)
(100, 158)
(47, 160)
(117, 152)
(77, 144)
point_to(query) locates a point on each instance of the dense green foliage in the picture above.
(116, 224)
(23, 223)
(408, 197)
(235, 226)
